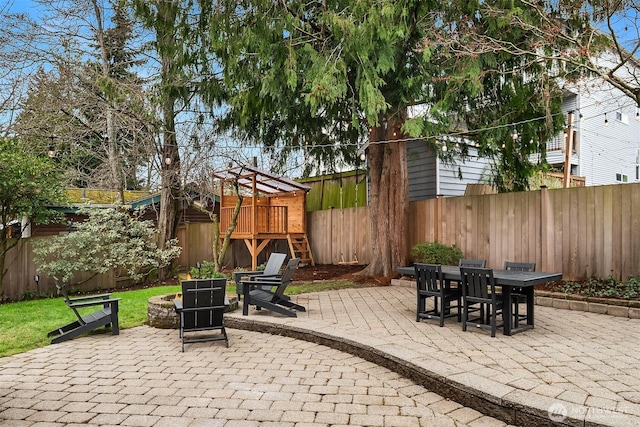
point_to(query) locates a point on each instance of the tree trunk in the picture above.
(388, 205)
(219, 252)
(170, 196)
(111, 139)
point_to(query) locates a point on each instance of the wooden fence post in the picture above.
(544, 231)
(436, 218)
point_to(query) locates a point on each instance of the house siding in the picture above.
(421, 171)
(430, 177)
(606, 151)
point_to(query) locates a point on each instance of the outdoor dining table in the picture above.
(508, 280)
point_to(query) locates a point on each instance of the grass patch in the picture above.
(24, 325)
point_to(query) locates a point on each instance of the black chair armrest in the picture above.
(237, 276)
(266, 280)
(103, 302)
(90, 297)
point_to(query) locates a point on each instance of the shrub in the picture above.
(206, 271)
(602, 288)
(109, 239)
(436, 253)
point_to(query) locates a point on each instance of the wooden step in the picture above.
(300, 248)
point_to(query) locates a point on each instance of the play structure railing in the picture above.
(269, 220)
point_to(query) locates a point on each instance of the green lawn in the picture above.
(24, 325)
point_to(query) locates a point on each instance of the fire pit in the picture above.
(161, 314)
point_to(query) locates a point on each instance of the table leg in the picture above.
(506, 310)
(529, 292)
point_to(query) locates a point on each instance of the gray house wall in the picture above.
(603, 153)
(430, 177)
(422, 171)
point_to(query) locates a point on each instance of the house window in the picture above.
(622, 118)
(622, 178)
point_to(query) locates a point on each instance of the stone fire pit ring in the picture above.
(162, 315)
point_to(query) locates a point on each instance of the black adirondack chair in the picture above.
(107, 316)
(256, 293)
(271, 270)
(202, 309)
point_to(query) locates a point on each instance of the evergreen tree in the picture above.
(323, 77)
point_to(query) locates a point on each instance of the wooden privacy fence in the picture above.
(340, 235)
(581, 232)
(20, 272)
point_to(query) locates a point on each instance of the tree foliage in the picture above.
(110, 239)
(84, 102)
(29, 186)
(325, 77)
(581, 39)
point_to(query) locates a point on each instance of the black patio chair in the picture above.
(202, 309)
(107, 316)
(517, 295)
(479, 294)
(430, 284)
(271, 269)
(256, 292)
(476, 263)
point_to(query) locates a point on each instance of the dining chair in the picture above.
(478, 292)
(517, 295)
(430, 284)
(479, 263)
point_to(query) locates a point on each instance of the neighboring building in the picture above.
(602, 153)
(148, 203)
(429, 176)
(606, 135)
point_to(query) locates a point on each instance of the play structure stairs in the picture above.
(300, 248)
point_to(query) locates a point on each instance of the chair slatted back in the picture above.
(520, 266)
(428, 277)
(67, 301)
(287, 276)
(478, 283)
(274, 264)
(203, 293)
(476, 263)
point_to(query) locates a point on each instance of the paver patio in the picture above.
(580, 366)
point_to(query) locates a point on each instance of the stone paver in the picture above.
(292, 383)
(580, 364)
(574, 368)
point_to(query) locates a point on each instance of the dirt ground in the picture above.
(341, 271)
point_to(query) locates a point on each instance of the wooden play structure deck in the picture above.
(273, 208)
